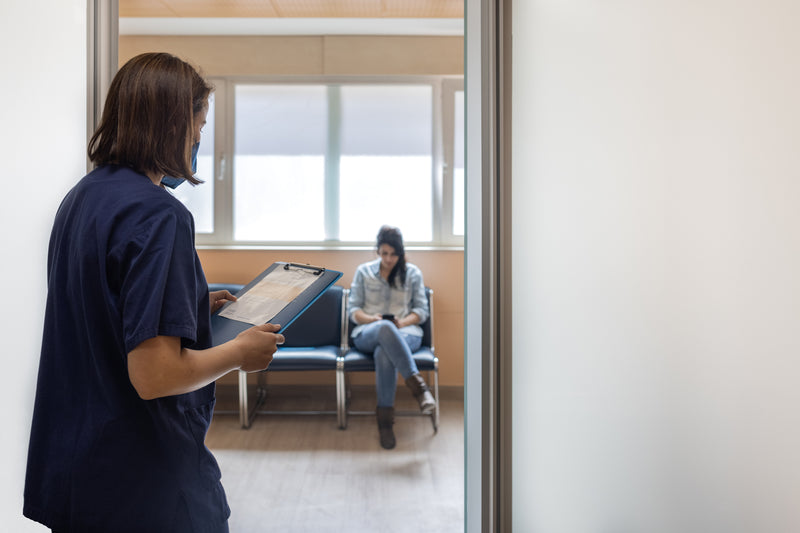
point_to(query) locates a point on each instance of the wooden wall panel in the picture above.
(145, 8)
(393, 55)
(311, 55)
(234, 56)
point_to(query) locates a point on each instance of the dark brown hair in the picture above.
(392, 236)
(148, 118)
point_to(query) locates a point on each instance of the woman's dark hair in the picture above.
(148, 118)
(392, 236)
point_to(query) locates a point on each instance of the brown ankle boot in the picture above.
(421, 392)
(385, 417)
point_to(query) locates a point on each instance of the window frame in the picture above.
(443, 89)
(450, 87)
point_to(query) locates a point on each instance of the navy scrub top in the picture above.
(122, 268)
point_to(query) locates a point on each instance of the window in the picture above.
(454, 154)
(200, 200)
(326, 162)
(279, 163)
(386, 161)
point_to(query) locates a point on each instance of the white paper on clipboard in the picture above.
(269, 296)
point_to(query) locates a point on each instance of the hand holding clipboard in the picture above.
(278, 295)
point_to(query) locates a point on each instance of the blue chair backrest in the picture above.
(320, 324)
(427, 334)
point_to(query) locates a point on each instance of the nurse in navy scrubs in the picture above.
(125, 390)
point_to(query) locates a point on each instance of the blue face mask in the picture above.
(169, 181)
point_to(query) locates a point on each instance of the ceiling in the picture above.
(374, 9)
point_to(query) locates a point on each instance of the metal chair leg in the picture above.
(244, 413)
(435, 417)
(341, 402)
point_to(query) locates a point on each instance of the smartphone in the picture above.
(388, 317)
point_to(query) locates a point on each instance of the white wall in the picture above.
(42, 148)
(656, 266)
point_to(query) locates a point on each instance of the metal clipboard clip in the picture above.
(316, 270)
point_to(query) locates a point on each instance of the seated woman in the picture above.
(387, 302)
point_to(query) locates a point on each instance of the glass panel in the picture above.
(386, 164)
(279, 163)
(458, 165)
(199, 199)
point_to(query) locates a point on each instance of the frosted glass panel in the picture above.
(279, 163)
(386, 160)
(199, 199)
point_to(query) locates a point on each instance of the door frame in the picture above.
(488, 276)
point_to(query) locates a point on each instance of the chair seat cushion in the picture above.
(425, 359)
(355, 361)
(317, 358)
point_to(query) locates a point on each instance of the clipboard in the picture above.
(278, 295)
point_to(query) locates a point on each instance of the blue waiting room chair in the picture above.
(353, 360)
(313, 342)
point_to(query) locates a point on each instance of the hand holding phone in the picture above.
(389, 317)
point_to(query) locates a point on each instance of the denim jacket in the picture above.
(372, 294)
